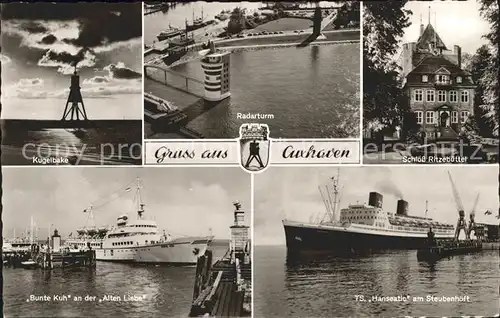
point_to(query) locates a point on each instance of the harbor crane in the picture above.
(461, 225)
(472, 222)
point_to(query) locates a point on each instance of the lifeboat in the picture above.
(81, 231)
(122, 220)
(103, 230)
(92, 231)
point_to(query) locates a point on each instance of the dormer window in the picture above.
(442, 79)
(459, 79)
(425, 78)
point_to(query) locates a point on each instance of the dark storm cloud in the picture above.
(121, 72)
(49, 39)
(100, 23)
(33, 27)
(67, 58)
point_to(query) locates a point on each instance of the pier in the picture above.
(174, 79)
(50, 256)
(158, 7)
(224, 289)
(446, 249)
(491, 245)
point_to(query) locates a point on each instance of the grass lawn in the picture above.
(284, 24)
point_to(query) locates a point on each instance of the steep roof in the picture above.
(432, 63)
(429, 37)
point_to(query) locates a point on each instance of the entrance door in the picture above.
(445, 119)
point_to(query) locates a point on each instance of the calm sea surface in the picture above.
(119, 143)
(312, 92)
(166, 291)
(327, 287)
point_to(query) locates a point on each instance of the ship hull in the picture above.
(115, 254)
(183, 251)
(313, 239)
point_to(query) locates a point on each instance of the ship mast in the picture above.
(335, 182)
(331, 197)
(31, 230)
(140, 205)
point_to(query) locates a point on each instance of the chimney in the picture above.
(375, 199)
(457, 51)
(402, 208)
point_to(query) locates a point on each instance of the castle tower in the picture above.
(72, 111)
(239, 234)
(216, 70)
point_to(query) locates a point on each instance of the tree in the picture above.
(477, 65)
(489, 79)
(470, 130)
(237, 21)
(384, 104)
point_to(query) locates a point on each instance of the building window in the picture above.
(454, 117)
(464, 115)
(425, 78)
(441, 79)
(420, 116)
(453, 97)
(429, 117)
(418, 95)
(430, 95)
(464, 96)
(441, 96)
(459, 79)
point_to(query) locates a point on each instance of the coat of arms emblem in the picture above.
(254, 147)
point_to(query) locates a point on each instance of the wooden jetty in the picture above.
(444, 249)
(53, 256)
(224, 289)
(162, 121)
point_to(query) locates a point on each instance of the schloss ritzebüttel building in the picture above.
(440, 92)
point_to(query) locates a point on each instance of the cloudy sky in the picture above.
(293, 193)
(41, 44)
(185, 201)
(457, 22)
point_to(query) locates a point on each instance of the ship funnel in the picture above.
(402, 208)
(375, 199)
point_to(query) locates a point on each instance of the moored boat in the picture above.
(29, 264)
(362, 227)
(169, 33)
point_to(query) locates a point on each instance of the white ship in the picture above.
(121, 240)
(140, 240)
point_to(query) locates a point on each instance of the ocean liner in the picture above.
(361, 227)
